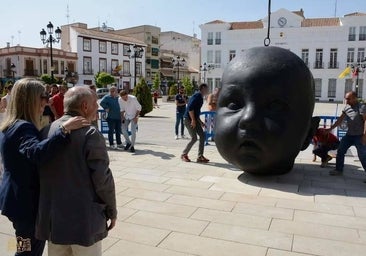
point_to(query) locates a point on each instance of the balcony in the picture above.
(7, 73)
(217, 41)
(30, 72)
(209, 41)
(88, 72)
(318, 65)
(333, 65)
(352, 37)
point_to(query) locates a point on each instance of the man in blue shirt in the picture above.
(110, 104)
(194, 124)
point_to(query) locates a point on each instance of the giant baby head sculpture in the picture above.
(264, 115)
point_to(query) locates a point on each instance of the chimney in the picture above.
(7, 44)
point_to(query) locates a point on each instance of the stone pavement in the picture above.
(168, 207)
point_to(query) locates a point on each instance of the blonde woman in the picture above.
(22, 152)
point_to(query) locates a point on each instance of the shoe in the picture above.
(323, 165)
(112, 146)
(202, 159)
(329, 158)
(183, 137)
(120, 146)
(185, 158)
(176, 137)
(335, 172)
(132, 150)
(127, 147)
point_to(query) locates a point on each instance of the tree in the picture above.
(103, 78)
(156, 83)
(47, 79)
(143, 95)
(186, 82)
(173, 90)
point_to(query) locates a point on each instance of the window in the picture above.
(154, 63)
(102, 65)
(360, 54)
(333, 58)
(218, 82)
(318, 58)
(138, 69)
(352, 34)
(154, 40)
(218, 38)
(126, 48)
(114, 48)
(87, 66)
(210, 58)
(360, 88)
(348, 85)
(126, 68)
(305, 56)
(350, 56)
(62, 63)
(114, 67)
(71, 66)
(210, 82)
(318, 87)
(155, 51)
(217, 59)
(210, 38)
(332, 88)
(102, 46)
(45, 68)
(362, 35)
(87, 44)
(232, 54)
(55, 66)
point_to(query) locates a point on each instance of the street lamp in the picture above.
(12, 67)
(204, 68)
(51, 39)
(138, 51)
(356, 69)
(178, 62)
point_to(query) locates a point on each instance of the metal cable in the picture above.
(267, 40)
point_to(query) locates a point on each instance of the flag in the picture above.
(345, 72)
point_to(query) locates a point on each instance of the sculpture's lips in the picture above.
(249, 145)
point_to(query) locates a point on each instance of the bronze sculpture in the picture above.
(265, 107)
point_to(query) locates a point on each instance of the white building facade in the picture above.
(326, 45)
(102, 50)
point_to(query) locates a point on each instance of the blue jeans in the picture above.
(114, 126)
(346, 142)
(179, 120)
(125, 125)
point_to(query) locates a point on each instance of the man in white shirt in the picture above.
(130, 111)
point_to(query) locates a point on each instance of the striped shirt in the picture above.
(354, 118)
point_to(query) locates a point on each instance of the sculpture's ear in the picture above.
(314, 125)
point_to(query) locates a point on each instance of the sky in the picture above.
(22, 20)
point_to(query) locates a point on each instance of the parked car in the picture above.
(101, 92)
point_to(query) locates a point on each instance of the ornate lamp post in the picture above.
(137, 52)
(178, 62)
(356, 69)
(12, 68)
(204, 68)
(51, 39)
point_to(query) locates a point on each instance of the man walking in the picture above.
(130, 111)
(110, 104)
(77, 193)
(355, 115)
(181, 102)
(194, 124)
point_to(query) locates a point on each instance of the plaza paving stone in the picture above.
(169, 207)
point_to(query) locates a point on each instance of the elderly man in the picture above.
(130, 111)
(77, 203)
(355, 115)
